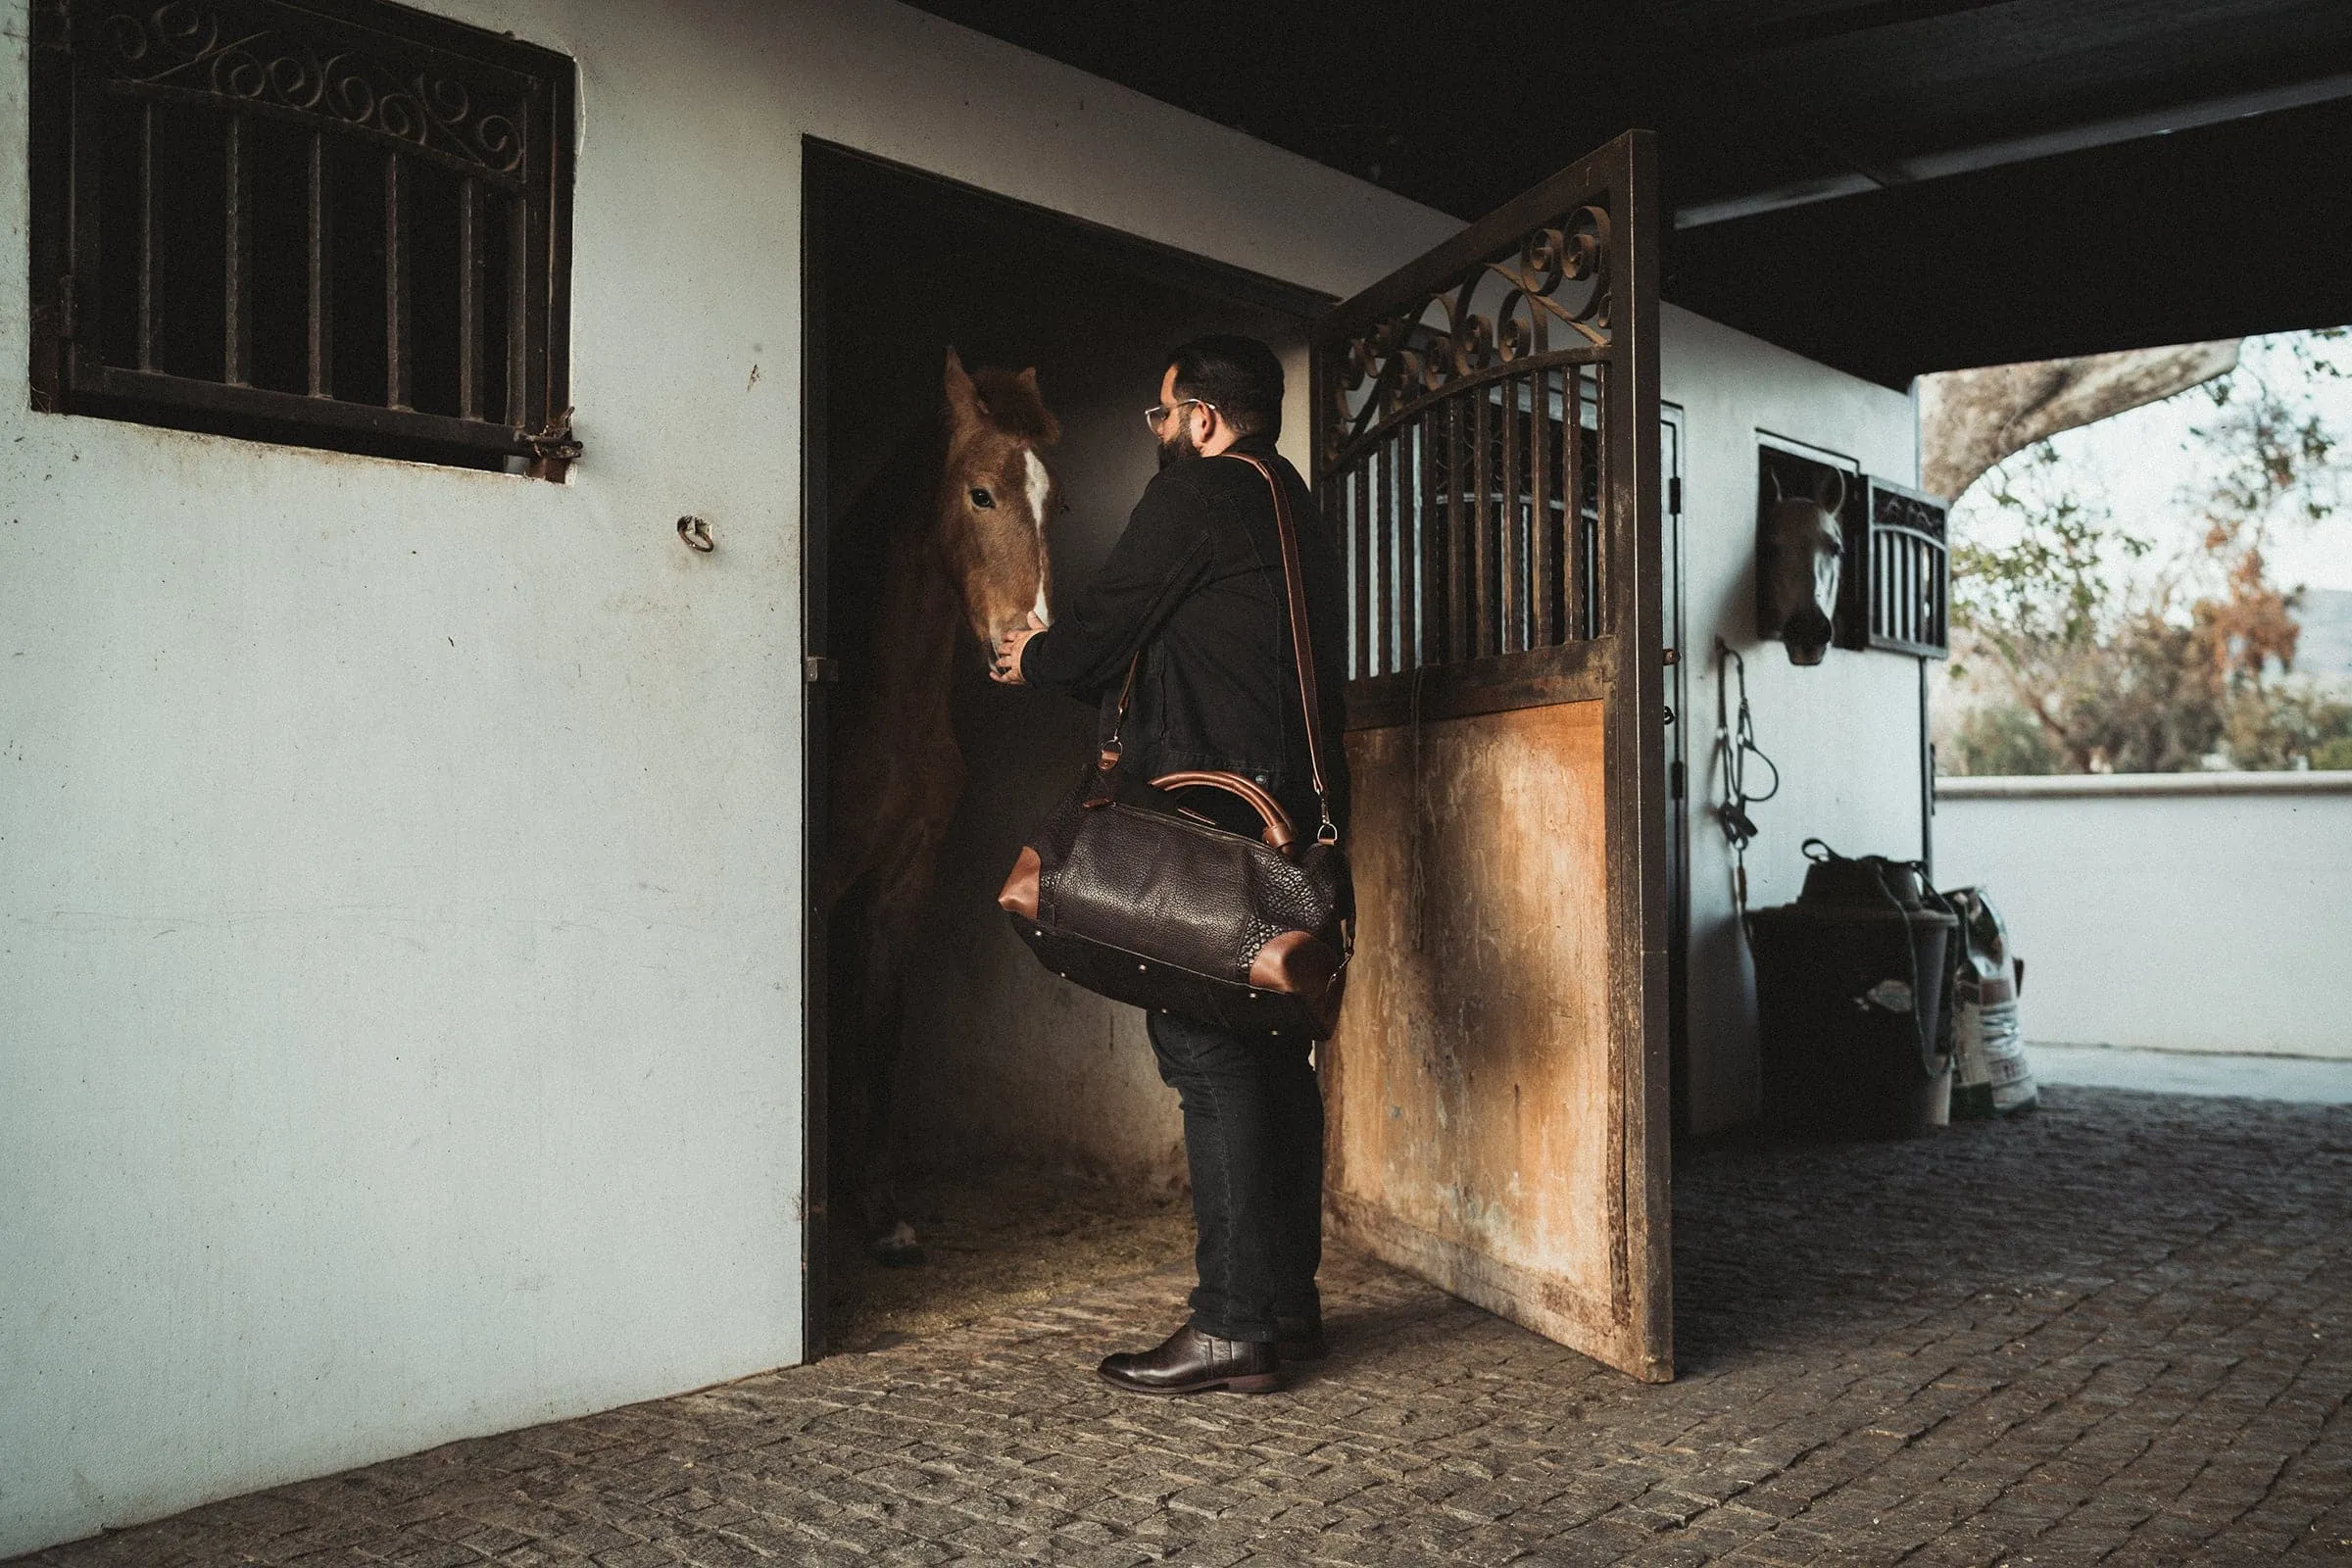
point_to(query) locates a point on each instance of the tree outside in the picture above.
(2093, 636)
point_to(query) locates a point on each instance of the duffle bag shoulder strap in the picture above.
(1301, 642)
(1302, 647)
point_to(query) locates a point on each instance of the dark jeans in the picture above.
(1253, 1137)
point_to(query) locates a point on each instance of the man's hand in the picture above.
(1008, 670)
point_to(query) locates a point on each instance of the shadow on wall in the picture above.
(1003, 1061)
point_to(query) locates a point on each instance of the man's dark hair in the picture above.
(1239, 374)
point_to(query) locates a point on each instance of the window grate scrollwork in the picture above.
(334, 223)
(1472, 413)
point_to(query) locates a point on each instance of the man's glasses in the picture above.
(1158, 415)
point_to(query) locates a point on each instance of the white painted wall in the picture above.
(399, 865)
(1845, 732)
(2179, 911)
(397, 935)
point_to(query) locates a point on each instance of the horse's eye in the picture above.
(981, 498)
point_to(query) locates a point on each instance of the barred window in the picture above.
(334, 223)
(1908, 577)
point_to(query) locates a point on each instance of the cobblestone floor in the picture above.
(2116, 1332)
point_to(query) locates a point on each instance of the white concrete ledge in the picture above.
(2305, 1080)
(2199, 912)
(2078, 785)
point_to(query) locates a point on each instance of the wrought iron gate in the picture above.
(1487, 435)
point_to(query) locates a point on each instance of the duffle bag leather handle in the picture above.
(1277, 832)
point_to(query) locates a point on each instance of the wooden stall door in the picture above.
(1486, 436)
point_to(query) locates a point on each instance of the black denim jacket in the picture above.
(1195, 583)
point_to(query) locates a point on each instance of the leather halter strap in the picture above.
(1302, 647)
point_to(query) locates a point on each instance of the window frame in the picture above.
(75, 73)
(1906, 576)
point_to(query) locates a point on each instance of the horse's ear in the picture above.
(1831, 491)
(1772, 476)
(964, 398)
(1048, 428)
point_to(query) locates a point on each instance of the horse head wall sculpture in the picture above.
(995, 496)
(1800, 553)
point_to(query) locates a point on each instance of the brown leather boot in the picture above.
(1190, 1361)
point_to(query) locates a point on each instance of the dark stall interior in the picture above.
(1034, 1144)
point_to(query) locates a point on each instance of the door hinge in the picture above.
(1674, 495)
(819, 670)
(1673, 778)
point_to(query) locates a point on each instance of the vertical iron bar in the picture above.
(1393, 558)
(320, 237)
(1416, 552)
(1361, 475)
(1882, 586)
(469, 299)
(1367, 571)
(1919, 591)
(1898, 583)
(518, 312)
(1391, 594)
(1575, 571)
(1400, 460)
(1384, 532)
(1344, 493)
(236, 313)
(1482, 547)
(1930, 620)
(1541, 569)
(1911, 591)
(146, 329)
(1530, 463)
(1598, 591)
(1431, 648)
(1878, 591)
(1899, 579)
(1457, 566)
(396, 288)
(1510, 492)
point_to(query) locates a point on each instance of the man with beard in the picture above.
(1195, 587)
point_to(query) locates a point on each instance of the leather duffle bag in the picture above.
(1125, 892)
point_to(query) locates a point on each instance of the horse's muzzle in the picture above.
(1806, 635)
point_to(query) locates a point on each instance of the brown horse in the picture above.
(957, 527)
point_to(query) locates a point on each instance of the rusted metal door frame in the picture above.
(1580, 256)
(1674, 627)
(816, 664)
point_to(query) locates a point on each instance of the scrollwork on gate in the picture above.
(1550, 295)
(257, 53)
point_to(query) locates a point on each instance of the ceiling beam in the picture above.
(1842, 21)
(2020, 149)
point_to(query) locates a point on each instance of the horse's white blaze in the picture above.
(1038, 483)
(1040, 492)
